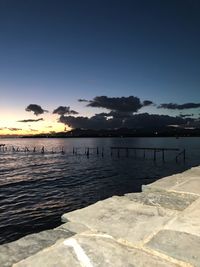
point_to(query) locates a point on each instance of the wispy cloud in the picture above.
(31, 120)
(179, 106)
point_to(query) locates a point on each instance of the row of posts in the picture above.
(92, 150)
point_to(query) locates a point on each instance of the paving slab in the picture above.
(165, 183)
(190, 186)
(93, 251)
(179, 245)
(122, 218)
(29, 245)
(188, 181)
(165, 199)
(73, 227)
(188, 221)
(193, 172)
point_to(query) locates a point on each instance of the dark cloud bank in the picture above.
(143, 120)
(122, 113)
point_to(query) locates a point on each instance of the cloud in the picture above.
(31, 120)
(116, 114)
(36, 109)
(186, 115)
(14, 129)
(61, 110)
(143, 120)
(95, 122)
(147, 103)
(33, 130)
(179, 107)
(120, 104)
(10, 129)
(83, 100)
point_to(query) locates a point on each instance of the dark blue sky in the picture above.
(53, 52)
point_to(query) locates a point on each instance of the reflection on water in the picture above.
(36, 189)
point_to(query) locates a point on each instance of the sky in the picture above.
(54, 52)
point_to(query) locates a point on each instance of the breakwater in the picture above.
(158, 227)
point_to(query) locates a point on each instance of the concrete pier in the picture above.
(159, 227)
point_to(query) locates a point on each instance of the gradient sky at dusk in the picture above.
(53, 52)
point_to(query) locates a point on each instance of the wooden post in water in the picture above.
(144, 155)
(154, 156)
(62, 151)
(111, 152)
(88, 152)
(184, 155)
(42, 150)
(73, 151)
(34, 149)
(97, 150)
(163, 155)
(26, 149)
(102, 152)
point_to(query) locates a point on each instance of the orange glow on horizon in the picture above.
(11, 125)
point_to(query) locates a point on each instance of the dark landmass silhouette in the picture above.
(122, 132)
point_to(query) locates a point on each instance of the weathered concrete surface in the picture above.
(29, 245)
(122, 218)
(180, 245)
(100, 251)
(165, 199)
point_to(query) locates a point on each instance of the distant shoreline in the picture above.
(122, 132)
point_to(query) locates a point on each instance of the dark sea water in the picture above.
(36, 189)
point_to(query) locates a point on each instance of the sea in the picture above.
(36, 188)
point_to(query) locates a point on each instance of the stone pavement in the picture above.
(159, 227)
